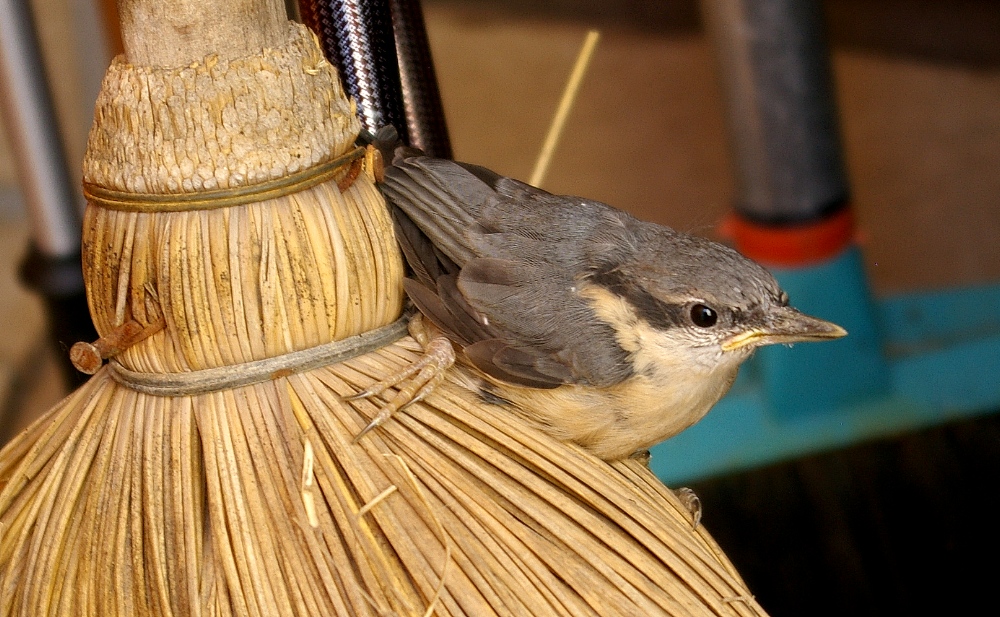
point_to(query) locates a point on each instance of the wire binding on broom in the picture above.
(224, 198)
(227, 377)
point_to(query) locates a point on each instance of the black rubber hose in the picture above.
(783, 123)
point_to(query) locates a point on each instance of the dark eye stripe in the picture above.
(659, 314)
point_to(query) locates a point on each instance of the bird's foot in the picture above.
(642, 456)
(691, 502)
(418, 380)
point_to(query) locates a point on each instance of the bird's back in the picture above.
(513, 259)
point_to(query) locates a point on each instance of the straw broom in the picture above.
(209, 468)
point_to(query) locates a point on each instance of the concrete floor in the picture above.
(918, 87)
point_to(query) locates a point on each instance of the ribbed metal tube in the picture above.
(357, 38)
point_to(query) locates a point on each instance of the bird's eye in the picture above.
(703, 316)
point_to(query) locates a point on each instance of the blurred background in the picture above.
(881, 528)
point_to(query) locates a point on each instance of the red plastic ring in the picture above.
(792, 245)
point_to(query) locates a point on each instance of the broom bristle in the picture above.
(244, 283)
(151, 505)
(254, 500)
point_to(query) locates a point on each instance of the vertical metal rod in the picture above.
(53, 205)
(52, 265)
(421, 98)
(357, 38)
(780, 106)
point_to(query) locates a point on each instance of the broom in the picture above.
(242, 272)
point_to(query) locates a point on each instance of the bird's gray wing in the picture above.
(514, 257)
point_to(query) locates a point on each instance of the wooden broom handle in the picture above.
(174, 33)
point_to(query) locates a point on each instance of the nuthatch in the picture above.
(611, 332)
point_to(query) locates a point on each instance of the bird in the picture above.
(609, 332)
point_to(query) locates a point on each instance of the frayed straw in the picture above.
(198, 502)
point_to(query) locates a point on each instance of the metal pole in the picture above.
(380, 48)
(52, 266)
(31, 123)
(780, 106)
(357, 38)
(421, 97)
(792, 210)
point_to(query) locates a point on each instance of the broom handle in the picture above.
(174, 34)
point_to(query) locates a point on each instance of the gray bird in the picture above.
(611, 332)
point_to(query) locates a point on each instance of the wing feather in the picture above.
(513, 365)
(520, 254)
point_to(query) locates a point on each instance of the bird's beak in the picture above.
(785, 325)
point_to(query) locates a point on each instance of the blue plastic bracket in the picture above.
(909, 361)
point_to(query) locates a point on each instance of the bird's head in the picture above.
(688, 301)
